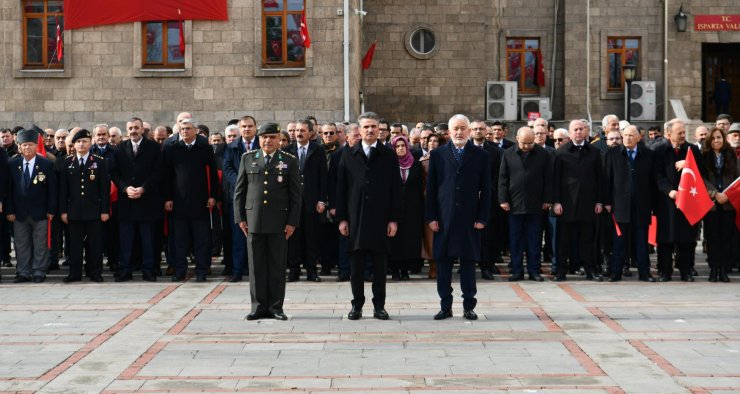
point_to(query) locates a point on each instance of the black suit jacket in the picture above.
(525, 184)
(495, 155)
(190, 179)
(39, 198)
(84, 193)
(624, 185)
(577, 181)
(331, 178)
(313, 175)
(143, 170)
(368, 196)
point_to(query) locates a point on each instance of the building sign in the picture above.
(533, 115)
(716, 22)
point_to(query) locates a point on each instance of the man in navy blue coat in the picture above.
(458, 206)
(31, 203)
(232, 158)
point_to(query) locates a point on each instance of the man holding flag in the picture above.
(682, 202)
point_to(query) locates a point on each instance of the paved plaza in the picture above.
(571, 337)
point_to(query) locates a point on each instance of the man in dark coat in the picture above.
(84, 204)
(190, 191)
(629, 182)
(368, 208)
(674, 231)
(304, 244)
(31, 203)
(525, 192)
(343, 264)
(109, 229)
(577, 199)
(247, 142)
(137, 175)
(267, 208)
(491, 236)
(458, 207)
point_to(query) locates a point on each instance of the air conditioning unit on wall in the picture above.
(641, 100)
(501, 100)
(535, 104)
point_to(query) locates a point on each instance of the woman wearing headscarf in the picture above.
(721, 164)
(406, 245)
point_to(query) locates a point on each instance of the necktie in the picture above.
(136, 148)
(26, 177)
(458, 154)
(247, 145)
(676, 150)
(267, 160)
(302, 157)
(370, 153)
(632, 154)
(190, 146)
(82, 162)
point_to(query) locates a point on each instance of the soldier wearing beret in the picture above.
(31, 203)
(267, 207)
(84, 204)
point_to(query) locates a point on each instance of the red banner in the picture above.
(716, 22)
(84, 13)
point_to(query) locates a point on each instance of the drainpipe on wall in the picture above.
(588, 63)
(665, 61)
(554, 54)
(345, 45)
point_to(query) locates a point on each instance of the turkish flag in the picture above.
(692, 198)
(368, 59)
(733, 193)
(304, 32)
(60, 45)
(540, 70)
(182, 34)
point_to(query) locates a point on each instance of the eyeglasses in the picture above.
(329, 133)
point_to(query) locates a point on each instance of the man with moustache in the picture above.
(368, 207)
(267, 208)
(109, 229)
(458, 202)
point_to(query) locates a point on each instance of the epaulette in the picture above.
(286, 153)
(249, 152)
(97, 156)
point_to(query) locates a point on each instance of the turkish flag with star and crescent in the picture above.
(692, 197)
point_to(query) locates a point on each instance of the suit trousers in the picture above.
(127, 235)
(303, 246)
(110, 237)
(634, 239)
(268, 256)
(30, 247)
(576, 242)
(525, 234)
(467, 283)
(194, 232)
(719, 233)
(684, 256)
(239, 259)
(552, 224)
(357, 277)
(78, 231)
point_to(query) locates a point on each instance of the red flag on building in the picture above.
(182, 34)
(692, 198)
(60, 45)
(368, 59)
(540, 70)
(733, 193)
(304, 32)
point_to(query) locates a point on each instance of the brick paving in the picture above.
(572, 337)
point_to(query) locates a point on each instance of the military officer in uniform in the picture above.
(267, 207)
(84, 204)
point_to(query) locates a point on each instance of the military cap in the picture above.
(83, 133)
(27, 136)
(735, 128)
(268, 128)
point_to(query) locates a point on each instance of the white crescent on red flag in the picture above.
(692, 197)
(304, 32)
(60, 45)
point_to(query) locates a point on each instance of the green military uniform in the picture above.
(267, 197)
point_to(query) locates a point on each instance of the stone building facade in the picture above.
(223, 77)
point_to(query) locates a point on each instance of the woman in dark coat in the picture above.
(406, 245)
(721, 166)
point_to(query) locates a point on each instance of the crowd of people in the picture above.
(455, 193)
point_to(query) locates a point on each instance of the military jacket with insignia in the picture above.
(84, 193)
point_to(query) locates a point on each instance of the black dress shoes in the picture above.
(293, 276)
(21, 279)
(38, 278)
(615, 278)
(470, 315)
(626, 272)
(516, 277)
(405, 275)
(354, 314)
(280, 316)
(342, 278)
(687, 277)
(235, 278)
(149, 277)
(594, 277)
(665, 278)
(381, 314)
(313, 277)
(70, 279)
(559, 278)
(258, 315)
(647, 278)
(443, 314)
(201, 278)
(97, 278)
(123, 277)
(178, 278)
(536, 278)
(486, 274)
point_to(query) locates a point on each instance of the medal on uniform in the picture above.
(40, 177)
(92, 177)
(280, 179)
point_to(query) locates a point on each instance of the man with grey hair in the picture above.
(115, 136)
(674, 231)
(458, 204)
(578, 199)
